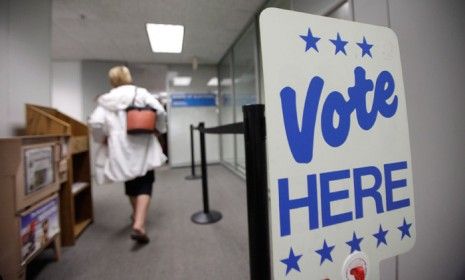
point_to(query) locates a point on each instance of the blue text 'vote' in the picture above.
(301, 140)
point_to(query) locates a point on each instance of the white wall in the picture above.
(25, 66)
(150, 76)
(371, 11)
(4, 80)
(180, 118)
(94, 82)
(66, 88)
(432, 44)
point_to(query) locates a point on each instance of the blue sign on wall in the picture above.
(193, 100)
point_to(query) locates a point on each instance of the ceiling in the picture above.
(115, 29)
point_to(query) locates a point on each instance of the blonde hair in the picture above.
(119, 75)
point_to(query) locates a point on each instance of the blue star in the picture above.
(405, 229)
(339, 44)
(381, 236)
(325, 252)
(365, 47)
(292, 262)
(310, 40)
(354, 243)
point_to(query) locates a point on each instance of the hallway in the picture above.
(179, 249)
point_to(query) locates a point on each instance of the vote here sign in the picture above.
(339, 164)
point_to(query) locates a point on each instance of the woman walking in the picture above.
(123, 157)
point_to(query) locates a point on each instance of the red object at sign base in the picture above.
(358, 273)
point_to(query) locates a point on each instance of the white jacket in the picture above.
(125, 156)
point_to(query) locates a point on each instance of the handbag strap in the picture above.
(135, 94)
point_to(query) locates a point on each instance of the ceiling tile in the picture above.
(115, 29)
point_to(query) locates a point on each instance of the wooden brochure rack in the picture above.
(29, 204)
(75, 193)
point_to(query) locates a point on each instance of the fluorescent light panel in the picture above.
(213, 82)
(165, 38)
(182, 81)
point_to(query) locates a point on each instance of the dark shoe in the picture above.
(139, 237)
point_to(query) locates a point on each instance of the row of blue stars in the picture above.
(292, 262)
(311, 43)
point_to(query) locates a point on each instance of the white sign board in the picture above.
(339, 164)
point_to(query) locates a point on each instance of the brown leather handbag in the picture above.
(140, 120)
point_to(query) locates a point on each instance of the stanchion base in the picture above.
(191, 177)
(206, 218)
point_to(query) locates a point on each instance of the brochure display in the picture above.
(76, 209)
(39, 168)
(38, 227)
(29, 201)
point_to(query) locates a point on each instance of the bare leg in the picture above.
(141, 208)
(132, 200)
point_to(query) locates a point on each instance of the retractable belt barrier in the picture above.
(254, 132)
(233, 128)
(208, 216)
(193, 176)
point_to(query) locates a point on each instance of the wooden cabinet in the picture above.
(29, 204)
(76, 189)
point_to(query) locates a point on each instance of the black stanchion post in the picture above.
(257, 192)
(206, 216)
(193, 176)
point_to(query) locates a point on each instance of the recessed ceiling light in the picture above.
(165, 38)
(182, 81)
(213, 82)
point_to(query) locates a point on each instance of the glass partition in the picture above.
(240, 84)
(226, 102)
(245, 87)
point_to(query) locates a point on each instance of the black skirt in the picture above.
(140, 185)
